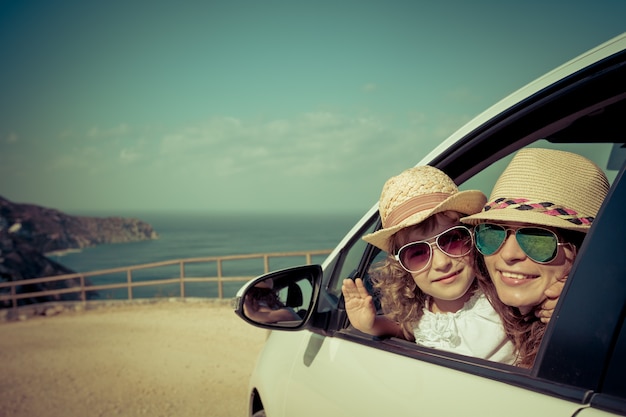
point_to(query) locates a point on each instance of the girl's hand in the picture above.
(359, 305)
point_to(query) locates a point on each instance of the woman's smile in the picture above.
(515, 278)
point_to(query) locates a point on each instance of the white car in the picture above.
(316, 364)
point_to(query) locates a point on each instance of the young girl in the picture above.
(427, 284)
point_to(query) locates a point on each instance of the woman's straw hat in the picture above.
(416, 194)
(546, 187)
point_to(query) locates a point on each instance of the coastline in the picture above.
(62, 252)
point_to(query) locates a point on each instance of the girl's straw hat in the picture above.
(546, 187)
(267, 284)
(416, 194)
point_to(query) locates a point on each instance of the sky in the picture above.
(257, 106)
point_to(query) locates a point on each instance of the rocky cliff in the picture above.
(50, 230)
(28, 232)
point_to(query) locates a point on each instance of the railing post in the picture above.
(220, 284)
(13, 300)
(83, 290)
(129, 281)
(182, 278)
(308, 258)
(266, 264)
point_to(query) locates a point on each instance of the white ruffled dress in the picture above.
(475, 330)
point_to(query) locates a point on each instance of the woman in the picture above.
(529, 233)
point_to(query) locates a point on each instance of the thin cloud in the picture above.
(267, 160)
(12, 137)
(83, 160)
(370, 87)
(128, 156)
(311, 145)
(96, 132)
(205, 135)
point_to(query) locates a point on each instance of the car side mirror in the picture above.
(281, 300)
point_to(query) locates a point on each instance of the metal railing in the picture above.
(84, 287)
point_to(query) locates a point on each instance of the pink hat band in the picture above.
(544, 207)
(412, 206)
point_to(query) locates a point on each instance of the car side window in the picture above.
(352, 259)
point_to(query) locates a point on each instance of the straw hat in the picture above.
(416, 194)
(546, 187)
(267, 284)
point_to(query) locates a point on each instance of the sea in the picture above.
(195, 235)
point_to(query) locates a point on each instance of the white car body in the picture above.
(325, 368)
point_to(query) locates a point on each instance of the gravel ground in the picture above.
(159, 359)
